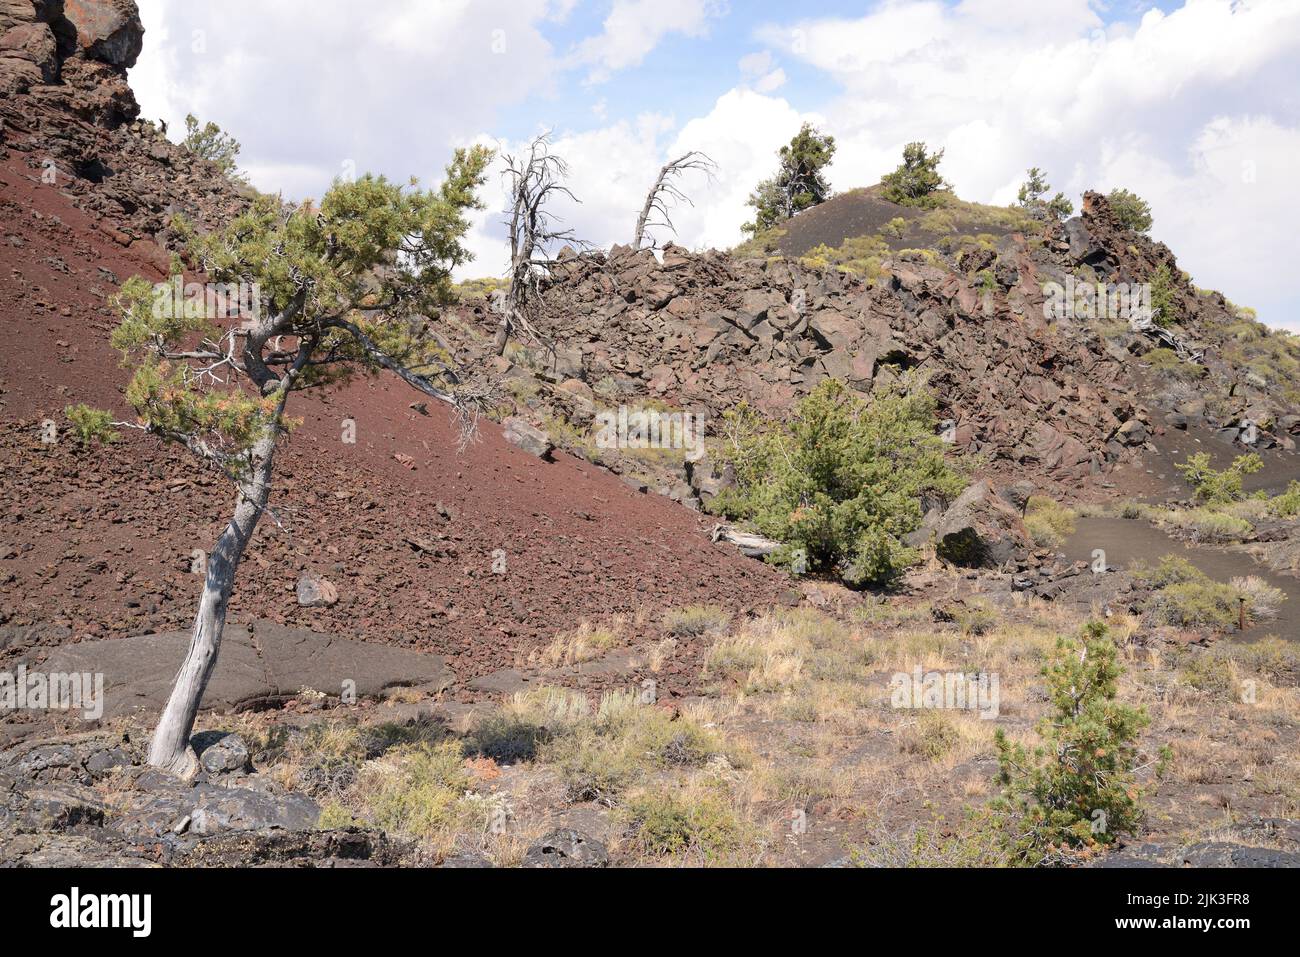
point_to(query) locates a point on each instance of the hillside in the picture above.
(555, 654)
(573, 535)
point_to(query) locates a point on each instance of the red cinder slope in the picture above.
(406, 526)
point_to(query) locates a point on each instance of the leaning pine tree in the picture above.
(341, 288)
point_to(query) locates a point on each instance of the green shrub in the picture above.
(415, 789)
(1218, 487)
(90, 425)
(1132, 210)
(1197, 605)
(1076, 789)
(672, 823)
(1168, 362)
(334, 816)
(1188, 598)
(917, 179)
(1172, 570)
(1049, 524)
(1211, 673)
(1286, 505)
(842, 484)
(858, 256)
(1208, 524)
(482, 288)
(1164, 301)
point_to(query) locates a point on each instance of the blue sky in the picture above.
(688, 72)
(1191, 104)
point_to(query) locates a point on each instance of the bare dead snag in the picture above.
(535, 182)
(666, 192)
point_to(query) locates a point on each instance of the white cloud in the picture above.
(1227, 210)
(390, 90)
(760, 72)
(635, 27)
(612, 168)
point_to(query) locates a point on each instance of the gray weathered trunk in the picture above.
(170, 748)
(644, 219)
(503, 335)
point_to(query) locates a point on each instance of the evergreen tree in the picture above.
(1132, 210)
(337, 289)
(842, 484)
(209, 142)
(798, 184)
(917, 178)
(1031, 199)
(1076, 789)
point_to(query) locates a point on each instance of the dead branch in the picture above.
(667, 193)
(535, 182)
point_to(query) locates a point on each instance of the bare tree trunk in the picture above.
(648, 208)
(503, 334)
(170, 748)
(665, 192)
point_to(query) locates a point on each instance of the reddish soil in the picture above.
(100, 540)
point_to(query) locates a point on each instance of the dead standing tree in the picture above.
(666, 191)
(339, 290)
(535, 182)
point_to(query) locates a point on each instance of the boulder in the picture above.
(28, 56)
(316, 592)
(221, 752)
(527, 438)
(567, 848)
(220, 810)
(109, 31)
(705, 480)
(979, 530)
(58, 808)
(757, 305)
(1084, 249)
(1018, 494)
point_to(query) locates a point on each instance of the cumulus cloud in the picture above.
(312, 95)
(612, 168)
(760, 71)
(635, 27)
